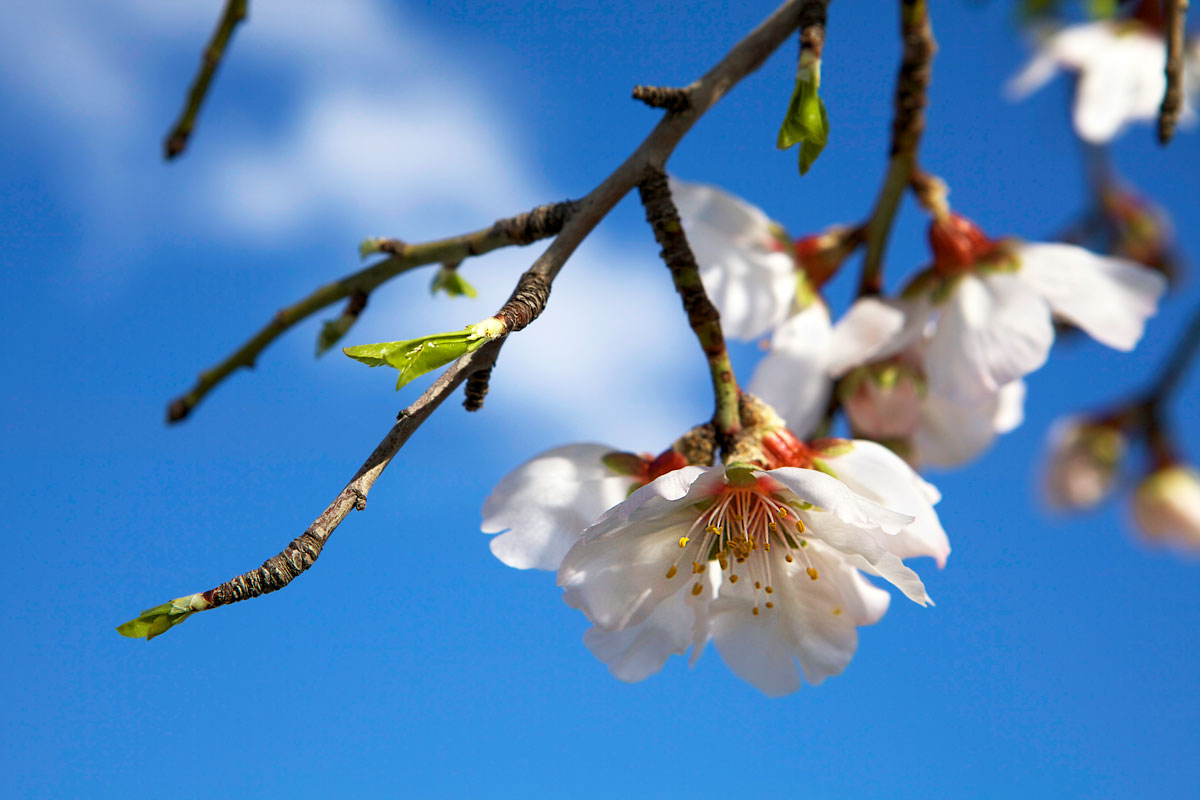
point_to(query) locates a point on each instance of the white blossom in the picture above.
(765, 562)
(745, 259)
(1119, 65)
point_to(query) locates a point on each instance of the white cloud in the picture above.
(379, 128)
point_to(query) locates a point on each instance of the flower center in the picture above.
(738, 531)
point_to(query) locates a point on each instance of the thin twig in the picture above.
(702, 315)
(541, 222)
(907, 126)
(1175, 20)
(177, 137)
(667, 97)
(745, 57)
(1181, 356)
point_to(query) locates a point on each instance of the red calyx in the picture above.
(1149, 12)
(664, 462)
(957, 243)
(783, 449)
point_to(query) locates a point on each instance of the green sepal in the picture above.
(740, 475)
(821, 466)
(624, 463)
(370, 247)
(806, 122)
(414, 357)
(452, 283)
(160, 619)
(332, 332)
(1102, 9)
(806, 295)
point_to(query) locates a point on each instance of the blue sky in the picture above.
(1059, 660)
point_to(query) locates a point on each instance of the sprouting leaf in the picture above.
(452, 283)
(160, 619)
(806, 122)
(414, 357)
(333, 330)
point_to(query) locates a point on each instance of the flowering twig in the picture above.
(745, 57)
(702, 315)
(522, 229)
(177, 137)
(1185, 350)
(907, 126)
(1168, 113)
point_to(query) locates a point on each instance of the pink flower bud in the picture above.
(883, 400)
(1083, 462)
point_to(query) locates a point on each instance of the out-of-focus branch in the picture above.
(916, 66)
(524, 306)
(540, 223)
(702, 315)
(177, 137)
(1174, 24)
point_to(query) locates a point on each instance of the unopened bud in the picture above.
(1083, 461)
(883, 400)
(957, 243)
(820, 255)
(1166, 506)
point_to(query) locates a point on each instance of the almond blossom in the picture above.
(991, 305)
(766, 562)
(745, 259)
(1120, 74)
(879, 355)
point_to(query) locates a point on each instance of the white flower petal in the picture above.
(1010, 407)
(832, 496)
(862, 333)
(546, 503)
(1036, 74)
(793, 377)
(755, 650)
(953, 433)
(875, 472)
(639, 651)
(990, 332)
(750, 278)
(865, 552)
(1109, 298)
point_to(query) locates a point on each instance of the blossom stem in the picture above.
(177, 137)
(1168, 113)
(1174, 370)
(908, 123)
(702, 315)
(522, 229)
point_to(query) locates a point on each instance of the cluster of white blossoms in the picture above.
(767, 555)
(1119, 66)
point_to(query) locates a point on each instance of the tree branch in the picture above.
(522, 229)
(907, 126)
(177, 137)
(524, 306)
(1174, 24)
(702, 315)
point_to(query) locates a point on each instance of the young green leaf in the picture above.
(452, 283)
(160, 619)
(806, 122)
(414, 357)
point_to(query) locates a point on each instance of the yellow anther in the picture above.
(697, 568)
(733, 578)
(671, 572)
(697, 588)
(724, 562)
(788, 558)
(713, 529)
(770, 605)
(804, 542)
(766, 546)
(812, 573)
(800, 525)
(770, 590)
(756, 611)
(773, 527)
(741, 560)
(837, 611)
(757, 585)
(783, 512)
(683, 540)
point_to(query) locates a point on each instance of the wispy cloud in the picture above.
(375, 127)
